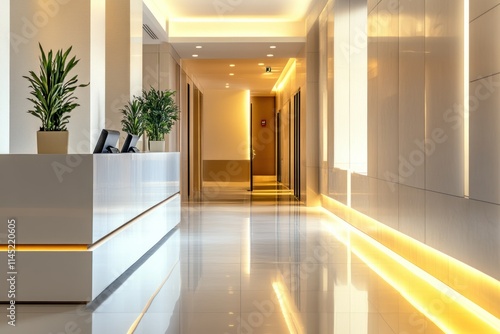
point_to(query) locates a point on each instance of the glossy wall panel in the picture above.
(411, 93)
(444, 94)
(484, 49)
(480, 7)
(484, 101)
(372, 95)
(484, 139)
(388, 92)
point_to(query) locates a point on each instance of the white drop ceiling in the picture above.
(239, 32)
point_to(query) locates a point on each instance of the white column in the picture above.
(5, 79)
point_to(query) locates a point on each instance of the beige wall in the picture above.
(123, 58)
(161, 70)
(263, 137)
(225, 126)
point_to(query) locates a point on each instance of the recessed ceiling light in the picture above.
(231, 74)
(199, 46)
(270, 55)
(272, 47)
(232, 65)
(261, 64)
(194, 56)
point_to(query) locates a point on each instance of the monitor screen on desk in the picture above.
(129, 144)
(107, 142)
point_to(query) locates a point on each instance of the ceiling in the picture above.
(211, 35)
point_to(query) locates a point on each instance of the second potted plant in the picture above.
(159, 114)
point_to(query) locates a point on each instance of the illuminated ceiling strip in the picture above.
(137, 321)
(416, 285)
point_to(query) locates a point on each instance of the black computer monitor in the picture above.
(107, 142)
(129, 144)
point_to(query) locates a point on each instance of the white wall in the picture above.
(5, 80)
(56, 25)
(226, 125)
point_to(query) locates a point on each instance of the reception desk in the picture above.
(80, 221)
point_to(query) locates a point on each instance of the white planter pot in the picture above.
(156, 146)
(52, 142)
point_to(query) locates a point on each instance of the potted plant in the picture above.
(53, 99)
(132, 121)
(159, 112)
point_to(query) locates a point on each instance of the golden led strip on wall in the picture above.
(470, 282)
(422, 290)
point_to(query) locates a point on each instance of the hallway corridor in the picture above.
(261, 263)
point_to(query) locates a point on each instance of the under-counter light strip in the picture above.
(422, 287)
(46, 248)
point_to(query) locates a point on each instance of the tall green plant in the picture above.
(52, 91)
(132, 121)
(159, 112)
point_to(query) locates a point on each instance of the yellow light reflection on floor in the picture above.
(293, 323)
(456, 314)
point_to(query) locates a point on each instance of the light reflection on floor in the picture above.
(243, 262)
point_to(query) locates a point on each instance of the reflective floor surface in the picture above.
(259, 262)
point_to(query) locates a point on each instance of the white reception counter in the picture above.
(80, 221)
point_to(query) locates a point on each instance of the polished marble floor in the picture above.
(254, 262)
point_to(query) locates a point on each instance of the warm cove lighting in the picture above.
(270, 55)
(445, 307)
(199, 47)
(195, 56)
(232, 65)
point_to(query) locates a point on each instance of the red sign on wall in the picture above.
(263, 122)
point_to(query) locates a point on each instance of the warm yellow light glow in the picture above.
(47, 248)
(285, 75)
(232, 65)
(456, 313)
(469, 282)
(231, 74)
(288, 309)
(270, 55)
